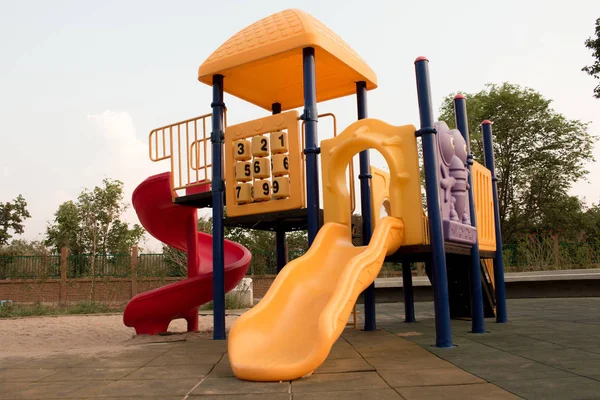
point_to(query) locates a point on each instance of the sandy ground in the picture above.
(84, 334)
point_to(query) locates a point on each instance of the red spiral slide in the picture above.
(151, 312)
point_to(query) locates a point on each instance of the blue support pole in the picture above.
(366, 208)
(218, 186)
(443, 330)
(477, 316)
(311, 140)
(407, 287)
(279, 233)
(488, 151)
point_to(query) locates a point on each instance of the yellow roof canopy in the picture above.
(262, 64)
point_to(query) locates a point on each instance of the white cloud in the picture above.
(5, 171)
(124, 157)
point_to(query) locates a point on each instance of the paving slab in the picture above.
(192, 371)
(556, 354)
(480, 391)
(554, 388)
(56, 361)
(248, 396)
(117, 361)
(11, 390)
(185, 358)
(221, 370)
(379, 394)
(26, 374)
(494, 372)
(422, 362)
(339, 382)
(90, 374)
(428, 377)
(216, 386)
(356, 364)
(585, 367)
(60, 390)
(146, 387)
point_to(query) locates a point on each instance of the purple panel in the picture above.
(454, 199)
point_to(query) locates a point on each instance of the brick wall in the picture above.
(260, 285)
(109, 290)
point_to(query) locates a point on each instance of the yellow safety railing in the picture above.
(186, 144)
(351, 164)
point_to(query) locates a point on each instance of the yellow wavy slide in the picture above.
(291, 331)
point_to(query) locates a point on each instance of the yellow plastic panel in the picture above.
(243, 193)
(243, 171)
(279, 142)
(281, 164)
(484, 207)
(281, 188)
(261, 168)
(262, 128)
(262, 190)
(260, 146)
(290, 332)
(243, 150)
(488, 263)
(262, 63)
(398, 145)
(380, 193)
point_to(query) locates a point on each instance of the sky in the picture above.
(82, 83)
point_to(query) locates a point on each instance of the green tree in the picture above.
(20, 247)
(92, 225)
(591, 224)
(593, 43)
(12, 216)
(539, 153)
(65, 230)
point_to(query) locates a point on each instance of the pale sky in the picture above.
(83, 83)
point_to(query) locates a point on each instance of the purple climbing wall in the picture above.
(454, 195)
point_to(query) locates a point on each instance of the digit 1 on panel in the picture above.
(279, 142)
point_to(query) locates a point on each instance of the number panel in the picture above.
(242, 150)
(261, 168)
(260, 146)
(281, 164)
(243, 171)
(279, 142)
(276, 143)
(262, 190)
(243, 193)
(281, 187)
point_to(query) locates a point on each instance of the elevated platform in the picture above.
(422, 252)
(292, 220)
(198, 200)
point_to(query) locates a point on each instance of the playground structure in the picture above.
(265, 172)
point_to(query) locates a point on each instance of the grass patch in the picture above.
(234, 300)
(39, 309)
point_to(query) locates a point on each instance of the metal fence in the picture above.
(537, 255)
(29, 267)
